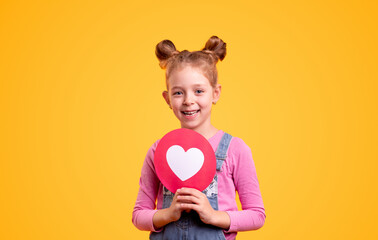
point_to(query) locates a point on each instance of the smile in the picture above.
(190, 113)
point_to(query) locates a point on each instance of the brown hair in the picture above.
(206, 59)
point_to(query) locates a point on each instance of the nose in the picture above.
(189, 99)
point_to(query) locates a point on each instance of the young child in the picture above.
(192, 89)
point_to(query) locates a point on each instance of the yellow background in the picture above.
(80, 91)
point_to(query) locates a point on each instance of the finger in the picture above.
(176, 194)
(189, 191)
(188, 199)
(189, 206)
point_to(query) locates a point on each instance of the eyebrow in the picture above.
(195, 85)
(175, 88)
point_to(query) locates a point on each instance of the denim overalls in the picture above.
(189, 226)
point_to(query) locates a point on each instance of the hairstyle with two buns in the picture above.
(171, 59)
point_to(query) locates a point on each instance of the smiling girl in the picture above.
(192, 89)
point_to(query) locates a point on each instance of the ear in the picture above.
(216, 93)
(166, 98)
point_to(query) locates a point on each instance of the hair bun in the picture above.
(215, 46)
(164, 50)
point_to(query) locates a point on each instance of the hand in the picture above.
(192, 199)
(164, 216)
(186, 199)
(174, 211)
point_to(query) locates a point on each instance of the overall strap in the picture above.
(221, 152)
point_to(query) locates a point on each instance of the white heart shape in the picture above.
(184, 164)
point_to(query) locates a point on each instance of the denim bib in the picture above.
(190, 226)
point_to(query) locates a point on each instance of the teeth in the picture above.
(191, 113)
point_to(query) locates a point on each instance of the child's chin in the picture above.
(189, 126)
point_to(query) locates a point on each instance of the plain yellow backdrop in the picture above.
(80, 95)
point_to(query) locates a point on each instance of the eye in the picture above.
(177, 93)
(199, 91)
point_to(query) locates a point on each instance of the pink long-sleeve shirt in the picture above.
(238, 173)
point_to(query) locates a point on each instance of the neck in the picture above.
(206, 131)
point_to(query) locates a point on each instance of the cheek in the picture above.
(206, 102)
(175, 103)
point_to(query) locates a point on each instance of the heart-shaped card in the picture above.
(184, 158)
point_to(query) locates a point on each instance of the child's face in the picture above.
(191, 96)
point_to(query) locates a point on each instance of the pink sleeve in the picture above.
(252, 216)
(145, 204)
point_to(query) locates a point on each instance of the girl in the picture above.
(192, 89)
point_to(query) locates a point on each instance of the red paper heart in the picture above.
(184, 158)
